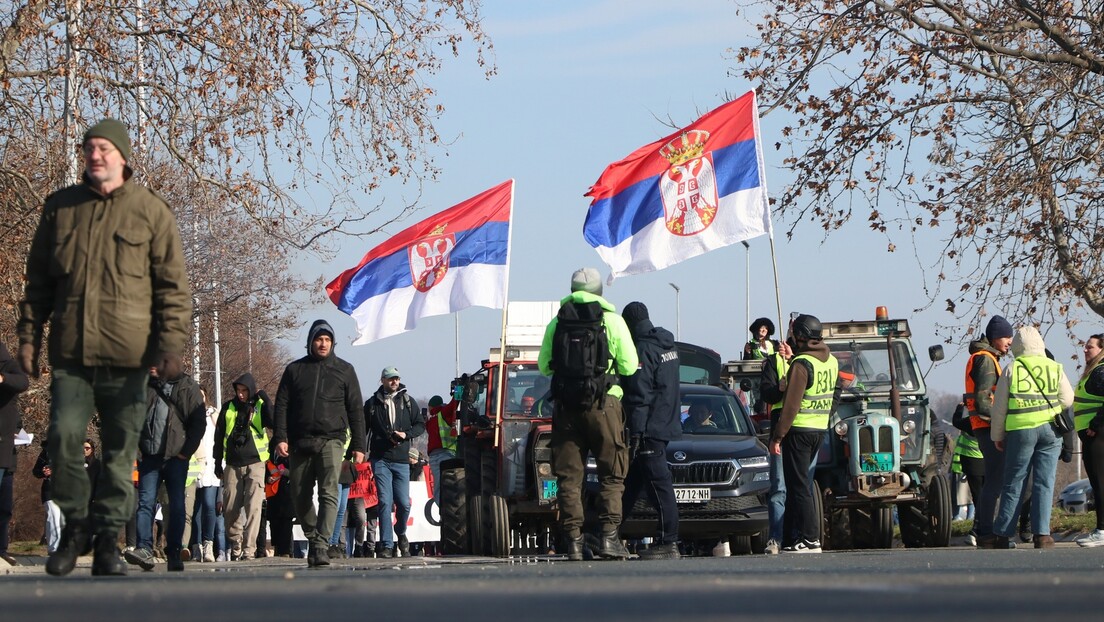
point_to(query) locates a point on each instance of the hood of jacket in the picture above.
(247, 381)
(815, 348)
(644, 329)
(1028, 342)
(320, 326)
(982, 345)
(587, 297)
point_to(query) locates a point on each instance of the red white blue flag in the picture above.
(447, 262)
(701, 188)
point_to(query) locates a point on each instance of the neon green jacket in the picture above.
(621, 346)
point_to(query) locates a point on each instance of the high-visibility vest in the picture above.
(195, 469)
(758, 352)
(977, 421)
(816, 403)
(782, 366)
(272, 479)
(1033, 392)
(447, 433)
(965, 447)
(1085, 404)
(256, 429)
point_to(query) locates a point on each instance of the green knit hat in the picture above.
(114, 131)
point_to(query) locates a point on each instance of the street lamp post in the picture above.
(678, 313)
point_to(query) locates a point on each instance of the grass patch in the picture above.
(1061, 521)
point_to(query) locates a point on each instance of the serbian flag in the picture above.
(447, 262)
(698, 189)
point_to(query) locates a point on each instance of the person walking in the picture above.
(208, 487)
(114, 246)
(1088, 420)
(394, 419)
(1031, 391)
(586, 349)
(968, 461)
(13, 381)
(175, 421)
(242, 440)
(318, 405)
(806, 408)
(772, 390)
(651, 408)
(982, 373)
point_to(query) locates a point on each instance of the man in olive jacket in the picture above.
(106, 270)
(318, 405)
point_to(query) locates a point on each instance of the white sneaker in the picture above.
(805, 546)
(1096, 538)
(722, 549)
(971, 539)
(208, 550)
(772, 547)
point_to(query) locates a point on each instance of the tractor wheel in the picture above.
(475, 525)
(454, 513)
(927, 523)
(872, 527)
(497, 527)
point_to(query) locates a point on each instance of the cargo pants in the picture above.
(119, 395)
(600, 432)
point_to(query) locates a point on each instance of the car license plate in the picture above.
(549, 489)
(692, 495)
(876, 462)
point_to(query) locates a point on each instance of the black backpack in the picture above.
(580, 356)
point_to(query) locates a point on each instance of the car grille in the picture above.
(718, 507)
(704, 473)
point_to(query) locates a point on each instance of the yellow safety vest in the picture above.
(816, 403)
(1033, 393)
(782, 366)
(260, 440)
(965, 447)
(447, 433)
(195, 469)
(1085, 404)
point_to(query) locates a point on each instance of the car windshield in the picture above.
(864, 367)
(713, 413)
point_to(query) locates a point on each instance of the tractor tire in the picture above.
(927, 523)
(475, 525)
(497, 527)
(454, 513)
(872, 527)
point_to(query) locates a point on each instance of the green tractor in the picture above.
(877, 455)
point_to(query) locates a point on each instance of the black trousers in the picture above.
(1092, 454)
(798, 449)
(650, 475)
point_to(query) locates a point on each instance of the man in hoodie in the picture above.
(318, 407)
(175, 420)
(982, 372)
(800, 430)
(394, 419)
(241, 443)
(588, 419)
(652, 411)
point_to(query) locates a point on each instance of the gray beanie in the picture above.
(114, 131)
(587, 280)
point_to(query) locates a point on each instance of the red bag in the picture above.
(365, 485)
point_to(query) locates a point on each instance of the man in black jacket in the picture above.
(652, 410)
(176, 418)
(241, 438)
(394, 418)
(318, 405)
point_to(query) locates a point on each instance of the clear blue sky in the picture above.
(580, 85)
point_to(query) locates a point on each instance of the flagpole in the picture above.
(500, 391)
(782, 332)
(456, 318)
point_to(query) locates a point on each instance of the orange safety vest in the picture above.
(272, 482)
(976, 422)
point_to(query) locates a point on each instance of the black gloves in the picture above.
(28, 358)
(218, 471)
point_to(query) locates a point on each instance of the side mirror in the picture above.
(745, 385)
(935, 353)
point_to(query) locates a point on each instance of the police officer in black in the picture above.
(651, 406)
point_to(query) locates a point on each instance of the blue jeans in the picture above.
(393, 486)
(152, 470)
(342, 501)
(985, 507)
(1034, 450)
(204, 523)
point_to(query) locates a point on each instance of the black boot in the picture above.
(75, 541)
(573, 546)
(175, 562)
(612, 547)
(106, 561)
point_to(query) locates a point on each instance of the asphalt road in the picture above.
(898, 584)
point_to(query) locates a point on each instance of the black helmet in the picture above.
(806, 327)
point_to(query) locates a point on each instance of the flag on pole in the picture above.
(701, 188)
(447, 262)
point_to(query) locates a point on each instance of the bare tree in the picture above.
(980, 120)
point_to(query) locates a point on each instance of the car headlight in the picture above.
(755, 461)
(909, 427)
(840, 429)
